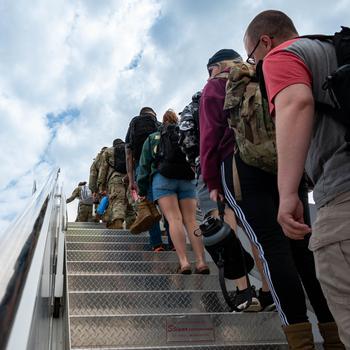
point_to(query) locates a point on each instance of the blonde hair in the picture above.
(170, 117)
(225, 64)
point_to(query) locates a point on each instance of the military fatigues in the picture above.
(84, 210)
(94, 169)
(119, 208)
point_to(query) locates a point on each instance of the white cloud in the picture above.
(104, 60)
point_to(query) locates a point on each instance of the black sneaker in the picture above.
(242, 300)
(266, 301)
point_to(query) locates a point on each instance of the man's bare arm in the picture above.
(294, 123)
(130, 167)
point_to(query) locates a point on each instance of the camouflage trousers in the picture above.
(84, 213)
(120, 207)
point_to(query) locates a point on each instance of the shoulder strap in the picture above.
(320, 37)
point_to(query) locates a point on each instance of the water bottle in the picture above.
(101, 209)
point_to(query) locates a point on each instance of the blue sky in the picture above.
(73, 73)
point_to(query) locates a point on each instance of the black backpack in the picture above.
(338, 83)
(140, 128)
(189, 130)
(119, 158)
(171, 160)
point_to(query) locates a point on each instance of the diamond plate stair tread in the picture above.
(103, 231)
(151, 330)
(83, 225)
(85, 246)
(127, 303)
(198, 347)
(76, 255)
(141, 282)
(109, 238)
(134, 267)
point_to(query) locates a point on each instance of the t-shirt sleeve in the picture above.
(282, 69)
(128, 135)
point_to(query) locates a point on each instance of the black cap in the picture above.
(117, 142)
(82, 183)
(223, 55)
(147, 110)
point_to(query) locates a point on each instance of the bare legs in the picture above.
(179, 214)
(188, 210)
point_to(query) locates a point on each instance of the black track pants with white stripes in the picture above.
(286, 262)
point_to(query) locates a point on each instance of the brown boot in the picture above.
(329, 332)
(299, 336)
(116, 224)
(129, 223)
(144, 219)
(155, 213)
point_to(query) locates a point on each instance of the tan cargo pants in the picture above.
(333, 261)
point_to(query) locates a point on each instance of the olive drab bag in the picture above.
(250, 119)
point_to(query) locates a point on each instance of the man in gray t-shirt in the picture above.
(294, 70)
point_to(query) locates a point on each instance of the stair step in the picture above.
(77, 255)
(109, 238)
(154, 302)
(85, 225)
(111, 246)
(199, 347)
(142, 282)
(102, 231)
(127, 267)
(240, 330)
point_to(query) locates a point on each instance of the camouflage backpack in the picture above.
(249, 118)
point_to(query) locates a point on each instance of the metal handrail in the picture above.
(17, 247)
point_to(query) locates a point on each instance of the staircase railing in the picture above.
(29, 262)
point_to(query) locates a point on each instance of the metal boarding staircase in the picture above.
(81, 286)
(121, 296)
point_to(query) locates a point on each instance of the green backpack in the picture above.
(250, 119)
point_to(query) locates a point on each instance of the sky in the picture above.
(73, 74)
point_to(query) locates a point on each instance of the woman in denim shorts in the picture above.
(163, 167)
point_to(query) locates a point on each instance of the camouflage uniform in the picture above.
(84, 210)
(119, 208)
(94, 169)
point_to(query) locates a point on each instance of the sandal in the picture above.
(185, 270)
(159, 248)
(203, 270)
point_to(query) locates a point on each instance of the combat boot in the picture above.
(154, 211)
(144, 219)
(116, 224)
(299, 336)
(329, 332)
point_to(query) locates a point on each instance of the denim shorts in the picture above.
(163, 186)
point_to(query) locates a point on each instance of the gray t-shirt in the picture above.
(328, 161)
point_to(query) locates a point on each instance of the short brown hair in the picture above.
(170, 117)
(273, 23)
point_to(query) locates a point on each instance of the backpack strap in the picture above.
(236, 181)
(320, 37)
